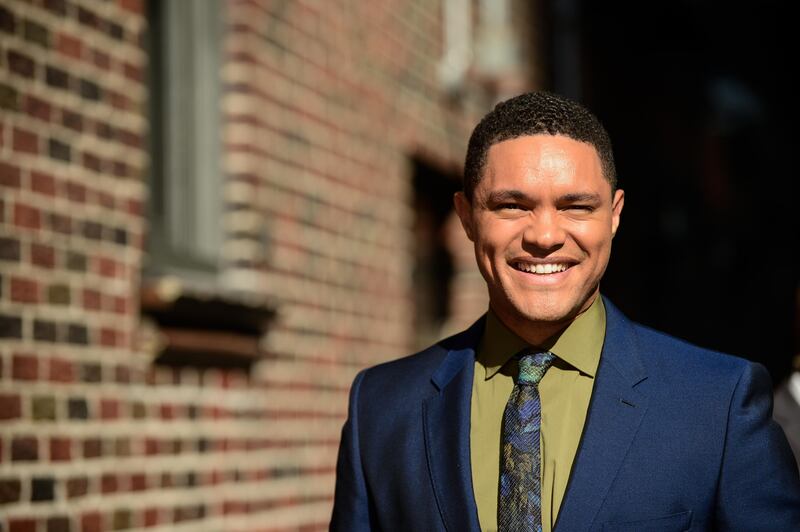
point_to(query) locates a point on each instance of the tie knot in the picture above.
(533, 365)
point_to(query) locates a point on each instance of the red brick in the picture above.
(134, 206)
(76, 192)
(27, 216)
(24, 449)
(22, 524)
(60, 449)
(104, 199)
(91, 162)
(132, 72)
(120, 305)
(150, 517)
(92, 522)
(10, 406)
(109, 337)
(109, 483)
(91, 299)
(43, 183)
(117, 100)
(61, 370)
(69, 45)
(25, 141)
(43, 255)
(25, 290)
(138, 482)
(109, 409)
(134, 6)
(37, 107)
(25, 367)
(9, 176)
(107, 267)
(101, 59)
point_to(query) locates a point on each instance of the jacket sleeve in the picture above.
(350, 504)
(759, 487)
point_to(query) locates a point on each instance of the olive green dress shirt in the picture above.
(565, 392)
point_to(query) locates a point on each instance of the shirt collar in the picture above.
(579, 345)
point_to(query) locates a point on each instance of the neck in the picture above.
(539, 333)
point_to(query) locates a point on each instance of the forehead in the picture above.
(542, 160)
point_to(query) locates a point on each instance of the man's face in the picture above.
(542, 219)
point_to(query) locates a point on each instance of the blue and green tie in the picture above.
(520, 503)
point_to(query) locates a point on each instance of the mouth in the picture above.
(547, 268)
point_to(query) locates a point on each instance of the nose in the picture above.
(543, 231)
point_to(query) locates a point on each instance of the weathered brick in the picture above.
(76, 192)
(59, 7)
(59, 524)
(44, 330)
(77, 334)
(43, 408)
(116, 31)
(69, 45)
(72, 120)
(24, 141)
(27, 216)
(24, 449)
(9, 249)
(25, 367)
(92, 522)
(101, 59)
(43, 183)
(92, 230)
(89, 90)
(9, 176)
(10, 326)
(109, 483)
(91, 372)
(42, 489)
(8, 97)
(56, 77)
(91, 162)
(43, 255)
(59, 150)
(24, 290)
(77, 487)
(58, 294)
(92, 448)
(22, 524)
(77, 408)
(88, 18)
(10, 406)
(59, 223)
(109, 409)
(37, 108)
(36, 33)
(60, 449)
(61, 370)
(10, 490)
(76, 261)
(8, 23)
(21, 64)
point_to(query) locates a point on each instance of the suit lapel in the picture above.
(615, 413)
(446, 421)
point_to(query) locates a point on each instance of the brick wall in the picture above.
(324, 105)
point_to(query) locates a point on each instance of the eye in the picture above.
(509, 206)
(580, 208)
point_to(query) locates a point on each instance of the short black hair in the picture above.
(536, 113)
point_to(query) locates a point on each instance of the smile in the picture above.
(540, 269)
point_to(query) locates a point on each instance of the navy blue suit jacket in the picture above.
(676, 438)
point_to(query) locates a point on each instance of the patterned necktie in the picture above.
(519, 503)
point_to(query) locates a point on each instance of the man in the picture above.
(554, 410)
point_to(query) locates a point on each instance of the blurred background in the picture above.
(214, 213)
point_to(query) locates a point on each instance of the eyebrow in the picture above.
(501, 196)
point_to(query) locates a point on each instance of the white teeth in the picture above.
(540, 269)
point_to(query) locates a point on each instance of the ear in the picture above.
(616, 210)
(464, 210)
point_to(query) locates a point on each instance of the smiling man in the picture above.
(554, 410)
